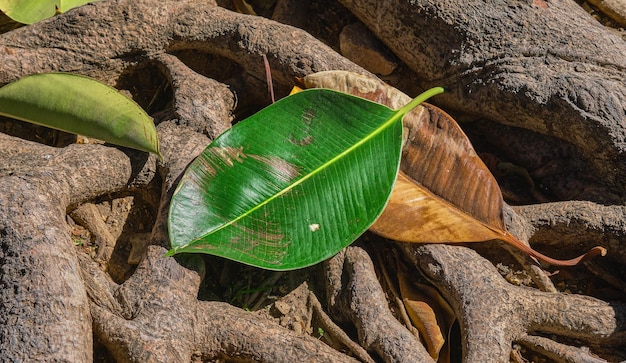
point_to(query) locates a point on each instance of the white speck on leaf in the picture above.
(314, 227)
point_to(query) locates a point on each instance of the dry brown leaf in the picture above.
(438, 220)
(424, 319)
(241, 6)
(430, 314)
(444, 193)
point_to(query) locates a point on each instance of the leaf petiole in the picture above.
(419, 99)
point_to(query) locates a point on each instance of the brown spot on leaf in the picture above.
(307, 140)
(308, 116)
(213, 163)
(262, 241)
(229, 155)
(279, 168)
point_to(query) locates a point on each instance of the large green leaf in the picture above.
(79, 105)
(293, 184)
(32, 11)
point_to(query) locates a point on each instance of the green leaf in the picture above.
(293, 184)
(79, 105)
(32, 11)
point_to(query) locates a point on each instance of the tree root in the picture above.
(518, 71)
(559, 352)
(88, 216)
(40, 277)
(494, 314)
(336, 331)
(156, 316)
(354, 294)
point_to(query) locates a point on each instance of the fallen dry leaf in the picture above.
(444, 192)
(430, 314)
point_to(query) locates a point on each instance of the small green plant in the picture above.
(78, 241)
(320, 332)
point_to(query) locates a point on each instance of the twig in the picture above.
(330, 326)
(268, 76)
(264, 289)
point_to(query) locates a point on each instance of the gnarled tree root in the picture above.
(494, 314)
(41, 289)
(355, 295)
(156, 316)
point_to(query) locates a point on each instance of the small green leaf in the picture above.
(79, 105)
(293, 184)
(32, 11)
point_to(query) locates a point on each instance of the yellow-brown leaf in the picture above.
(414, 214)
(430, 314)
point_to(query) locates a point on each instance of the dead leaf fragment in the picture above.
(430, 314)
(241, 6)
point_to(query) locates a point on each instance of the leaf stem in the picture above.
(419, 99)
(512, 240)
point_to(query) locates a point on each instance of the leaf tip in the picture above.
(170, 253)
(596, 251)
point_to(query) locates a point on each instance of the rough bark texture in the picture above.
(492, 313)
(541, 66)
(356, 296)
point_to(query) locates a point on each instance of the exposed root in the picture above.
(493, 313)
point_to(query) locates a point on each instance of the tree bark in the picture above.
(543, 66)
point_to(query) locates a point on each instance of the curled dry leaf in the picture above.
(444, 192)
(430, 314)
